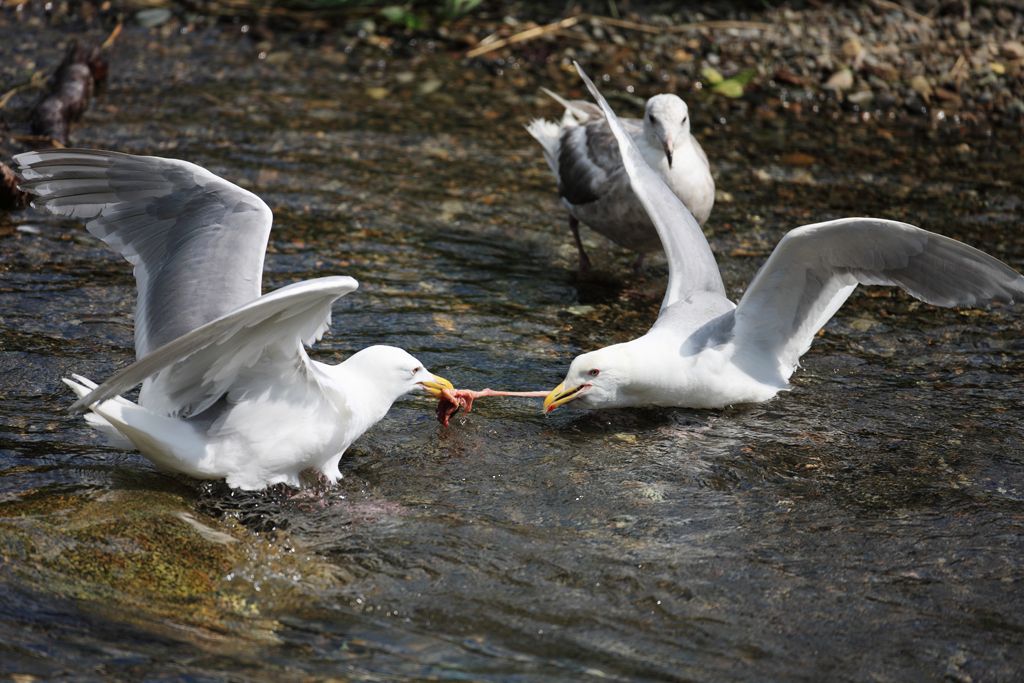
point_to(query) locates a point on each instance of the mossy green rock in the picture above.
(141, 552)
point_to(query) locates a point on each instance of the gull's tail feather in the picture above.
(167, 442)
(557, 98)
(548, 134)
(576, 111)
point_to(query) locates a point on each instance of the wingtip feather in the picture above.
(82, 391)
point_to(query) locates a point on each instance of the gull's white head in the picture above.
(599, 379)
(666, 123)
(393, 372)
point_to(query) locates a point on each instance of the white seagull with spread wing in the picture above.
(704, 351)
(227, 388)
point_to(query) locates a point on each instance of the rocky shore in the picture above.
(961, 61)
(880, 57)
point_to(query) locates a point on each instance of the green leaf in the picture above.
(401, 14)
(730, 88)
(710, 74)
(453, 9)
(394, 13)
(744, 76)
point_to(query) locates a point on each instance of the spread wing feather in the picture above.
(197, 241)
(815, 268)
(191, 373)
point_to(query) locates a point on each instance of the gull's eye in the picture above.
(594, 373)
(416, 370)
(650, 117)
(683, 123)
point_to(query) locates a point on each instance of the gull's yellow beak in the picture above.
(434, 386)
(560, 396)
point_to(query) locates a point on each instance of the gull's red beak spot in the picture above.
(559, 396)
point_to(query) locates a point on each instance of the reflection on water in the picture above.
(867, 524)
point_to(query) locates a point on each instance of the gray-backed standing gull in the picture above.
(584, 157)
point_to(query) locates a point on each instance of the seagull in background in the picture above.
(228, 391)
(704, 351)
(582, 153)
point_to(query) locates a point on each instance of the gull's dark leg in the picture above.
(574, 225)
(638, 265)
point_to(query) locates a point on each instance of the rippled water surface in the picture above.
(868, 524)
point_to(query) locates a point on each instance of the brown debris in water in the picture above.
(12, 198)
(71, 88)
(72, 85)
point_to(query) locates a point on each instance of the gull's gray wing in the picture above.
(691, 265)
(815, 268)
(262, 338)
(197, 241)
(589, 162)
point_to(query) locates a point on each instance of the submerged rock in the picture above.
(147, 555)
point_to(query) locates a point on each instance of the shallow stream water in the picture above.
(869, 524)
